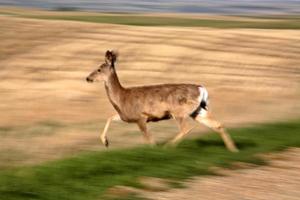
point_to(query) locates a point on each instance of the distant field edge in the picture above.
(165, 21)
(89, 175)
(178, 22)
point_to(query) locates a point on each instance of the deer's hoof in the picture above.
(234, 150)
(170, 145)
(106, 143)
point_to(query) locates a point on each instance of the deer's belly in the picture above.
(129, 119)
(155, 118)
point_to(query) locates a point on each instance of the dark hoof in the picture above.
(106, 143)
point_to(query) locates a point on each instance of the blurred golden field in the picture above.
(47, 110)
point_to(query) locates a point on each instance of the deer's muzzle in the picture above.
(88, 79)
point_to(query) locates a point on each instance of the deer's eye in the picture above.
(99, 70)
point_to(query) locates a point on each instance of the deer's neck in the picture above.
(114, 89)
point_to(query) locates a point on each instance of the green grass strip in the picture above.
(88, 175)
(174, 21)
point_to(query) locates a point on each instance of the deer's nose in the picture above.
(88, 79)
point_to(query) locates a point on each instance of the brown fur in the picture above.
(152, 102)
(155, 102)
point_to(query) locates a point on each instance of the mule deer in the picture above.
(156, 102)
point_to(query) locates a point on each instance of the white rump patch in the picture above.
(203, 96)
(202, 113)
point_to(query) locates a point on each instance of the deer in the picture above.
(153, 103)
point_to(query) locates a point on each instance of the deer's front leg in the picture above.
(103, 137)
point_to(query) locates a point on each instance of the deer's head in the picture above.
(105, 69)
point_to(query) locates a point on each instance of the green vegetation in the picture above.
(89, 175)
(123, 18)
(261, 22)
(174, 21)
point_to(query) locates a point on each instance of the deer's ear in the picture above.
(110, 57)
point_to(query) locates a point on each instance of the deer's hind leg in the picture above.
(103, 137)
(183, 130)
(205, 118)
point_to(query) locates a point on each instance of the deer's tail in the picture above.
(203, 103)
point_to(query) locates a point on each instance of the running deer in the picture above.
(152, 103)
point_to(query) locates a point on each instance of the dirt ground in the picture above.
(252, 76)
(277, 181)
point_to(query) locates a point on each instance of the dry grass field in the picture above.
(47, 109)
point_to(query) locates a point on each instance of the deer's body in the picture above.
(153, 102)
(150, 103)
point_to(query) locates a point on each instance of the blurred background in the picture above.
(245, 52)
(188, 6)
